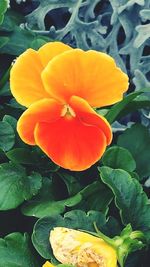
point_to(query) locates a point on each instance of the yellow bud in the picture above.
(48, 264)
(81, 249)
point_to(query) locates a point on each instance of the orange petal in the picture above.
(91, 75)
(70, 143)
(45, 110)
(89, 116)
(50, 50)
(25, 78)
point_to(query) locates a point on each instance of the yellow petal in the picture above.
(91, 75)
(50, 50)
(81, 249)
(25, 78)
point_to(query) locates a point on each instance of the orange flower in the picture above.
(59, 86)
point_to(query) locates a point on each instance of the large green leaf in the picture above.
(75, 219)
(137, 141)
(16, 186)
(7, 136)
(96, 195)
(45, 204)
(130, 198)
(119, 158)
(16, 251)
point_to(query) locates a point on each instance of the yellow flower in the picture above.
(81, 249)
(48, 264)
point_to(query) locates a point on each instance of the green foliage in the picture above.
(3, 41)
(16, 250)
(137, 141)
(11, 120)
(45, 204)
(130, 103)
(7, 136)
(22, 156)
(131, 241)
(119, 158)
(17, 39)
(16, 186)
(3, 8)
(130, 198)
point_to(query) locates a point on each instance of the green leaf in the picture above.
(141, 101)
(96, 194)
(115, 111)
(44, 203)
(70, 181)
(3, 40)
(37, 43)
(11, 20)
(75, 219)
(22, 156)
(5, 89)
(16, 251)
(3, 8)
(119, 158)
(4, 82)
(137, 141)
(20, 40)
(16, 186)
(32, 185)
(7, 136)
(11, 120)
(130, 198)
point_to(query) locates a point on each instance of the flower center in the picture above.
(67, 111)
(92, 264)
(88, 258)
